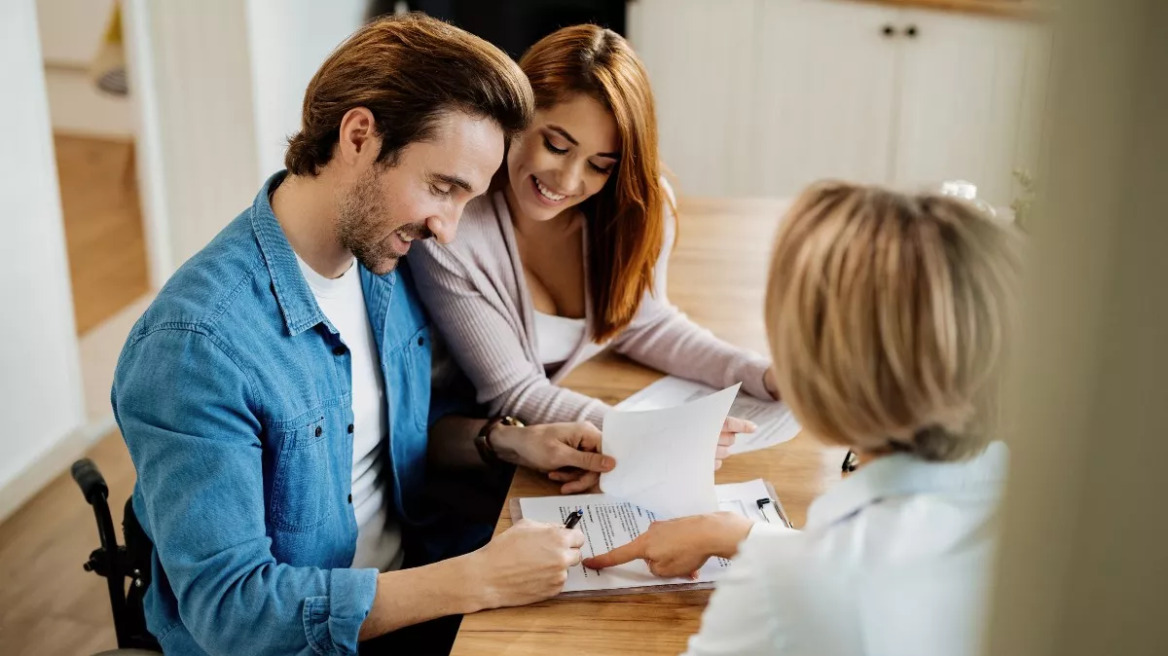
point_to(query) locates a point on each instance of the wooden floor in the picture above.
(103, 226)
(49, 605)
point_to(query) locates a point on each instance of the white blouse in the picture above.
(895, 560)
(557, 337)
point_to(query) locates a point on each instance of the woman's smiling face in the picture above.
(565, 157)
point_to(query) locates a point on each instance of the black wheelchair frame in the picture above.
(119, 562)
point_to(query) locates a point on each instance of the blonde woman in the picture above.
(887, 318)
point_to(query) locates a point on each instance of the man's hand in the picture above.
(679, 547)
(569, 452)
(527, 563)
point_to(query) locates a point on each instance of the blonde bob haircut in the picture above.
(887, 316)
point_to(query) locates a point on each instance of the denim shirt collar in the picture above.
(901, 475)
(297, 304)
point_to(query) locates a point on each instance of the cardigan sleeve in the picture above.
(663, 337)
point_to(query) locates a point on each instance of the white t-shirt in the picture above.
(343, 301)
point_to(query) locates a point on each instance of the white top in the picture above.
(895, 560)
(343, 301)
(557, 337)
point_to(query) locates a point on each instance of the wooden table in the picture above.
(717, 276)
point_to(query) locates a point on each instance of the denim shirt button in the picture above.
(340, 350)
(350, 428)
(350, 498)
(319, 430)
(421, 341)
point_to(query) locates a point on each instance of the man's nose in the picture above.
(444, 227)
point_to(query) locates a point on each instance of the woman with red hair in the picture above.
(568, 254)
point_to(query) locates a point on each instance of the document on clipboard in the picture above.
(610, 522)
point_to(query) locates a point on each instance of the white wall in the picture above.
(71, 30)
(289, 39)
(196, 145)
(219, 86)
(40, 380)
(71, 34)
(78, 107)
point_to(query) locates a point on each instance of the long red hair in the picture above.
(626, 223)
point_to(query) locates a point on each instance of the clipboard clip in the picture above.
(765, 504)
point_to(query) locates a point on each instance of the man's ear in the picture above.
(358, 139)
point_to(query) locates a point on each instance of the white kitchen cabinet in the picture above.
(823, 95)
(962, 87)
(700, 57)
(761, 97)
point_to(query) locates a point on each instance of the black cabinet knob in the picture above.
(911, 31)
(888, 31)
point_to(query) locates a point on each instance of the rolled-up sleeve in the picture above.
(332, 622)
(187, 412)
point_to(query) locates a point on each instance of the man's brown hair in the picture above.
(408, 71)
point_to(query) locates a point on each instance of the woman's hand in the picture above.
(570, 453)
(730, 430)
(679, 547)
(771, 381)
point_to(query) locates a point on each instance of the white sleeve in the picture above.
(743, 615)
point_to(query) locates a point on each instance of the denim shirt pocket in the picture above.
(300, 493)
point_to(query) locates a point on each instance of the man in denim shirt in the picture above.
(240, 396)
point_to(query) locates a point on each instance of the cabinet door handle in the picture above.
(911, 31)
(888, 31)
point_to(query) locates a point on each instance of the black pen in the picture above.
(574, 518)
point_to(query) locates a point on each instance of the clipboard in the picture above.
(517, 514)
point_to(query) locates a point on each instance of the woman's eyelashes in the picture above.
(547, 143)
(551, 148)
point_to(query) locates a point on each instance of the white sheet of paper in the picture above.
(610, 522)
(776, 423)
(665, 458)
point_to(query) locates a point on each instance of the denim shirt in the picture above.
(233, 395)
